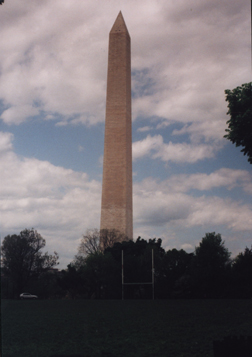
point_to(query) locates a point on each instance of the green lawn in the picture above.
(120, 328)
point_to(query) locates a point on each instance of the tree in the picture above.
(209, 266)
(175, 277)
(71, 282)
(242, 271)
(90, 242)
(102, 275)
(22, 258)
(108, 237)
(240, 122)
(96, 241)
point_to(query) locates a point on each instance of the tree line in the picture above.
(208, 272)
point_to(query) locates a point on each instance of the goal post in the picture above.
(140, 283)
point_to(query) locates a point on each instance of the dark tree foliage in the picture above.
(175, 274)
(97, 278)
(209, 266)
(102, 276)
(242, 273)
(46, 285)
(71, 282)
(239, 130)
(22, 259)
(206, 273)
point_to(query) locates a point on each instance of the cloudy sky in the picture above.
(188, 179)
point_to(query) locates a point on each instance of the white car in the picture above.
(28, 296)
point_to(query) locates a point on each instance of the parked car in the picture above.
(27, 296)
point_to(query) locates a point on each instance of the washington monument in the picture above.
(116, 208)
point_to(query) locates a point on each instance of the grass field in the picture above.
(173, 328)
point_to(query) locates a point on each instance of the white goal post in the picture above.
(143, 283)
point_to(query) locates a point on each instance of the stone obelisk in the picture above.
(116, 209)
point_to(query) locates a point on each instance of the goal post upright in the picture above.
(122, 278)
(152, 254)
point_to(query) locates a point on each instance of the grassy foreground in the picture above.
(173, 328)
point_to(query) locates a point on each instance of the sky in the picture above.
(187, 179)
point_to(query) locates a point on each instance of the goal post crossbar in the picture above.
(137, 283)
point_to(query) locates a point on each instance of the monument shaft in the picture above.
(116, 211)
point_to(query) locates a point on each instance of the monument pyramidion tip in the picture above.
(119, 25)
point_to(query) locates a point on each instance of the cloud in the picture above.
(5, 141)
(217, 211)
(184, 152)
(58, 66)
(18, 114)
(163, 204)
(193, 68)
(224, 177)
(145, 128)
(184, 55)
(146, 146)
(187, 246)
(207, 130)
(154, 147)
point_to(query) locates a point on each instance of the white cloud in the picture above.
(5, 141)
(217, 211)
(170, 202)
(146, 146)
(59, 65)
(193, 67)
(185, 152)
(154, 147)
(224, 177)
(187, 247)
(208, 130)
(145, 128)
(184, 55)
(18, 114)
